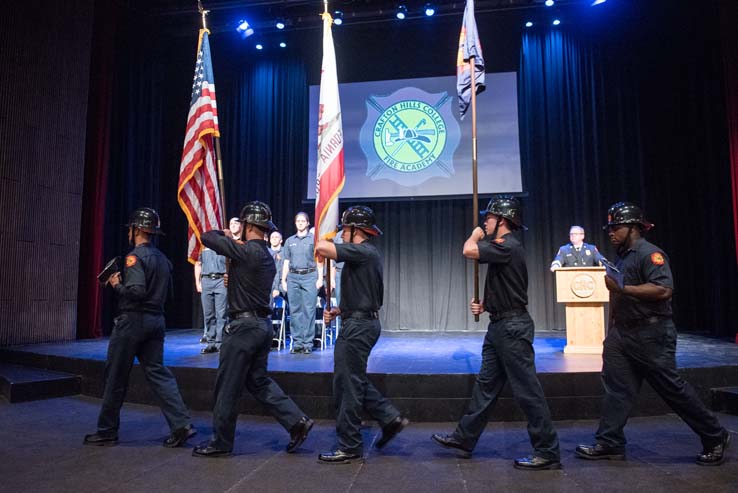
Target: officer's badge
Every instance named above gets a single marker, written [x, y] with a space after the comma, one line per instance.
[131, 260]
[409, 136]
[657, 258]
[587, 252]
[499, 241]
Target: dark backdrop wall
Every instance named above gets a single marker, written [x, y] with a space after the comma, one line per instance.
[626, 105]
[45, 50]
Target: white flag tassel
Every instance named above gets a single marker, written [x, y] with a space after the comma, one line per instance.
[330, 142]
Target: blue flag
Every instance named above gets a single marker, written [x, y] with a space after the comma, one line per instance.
[469, 47]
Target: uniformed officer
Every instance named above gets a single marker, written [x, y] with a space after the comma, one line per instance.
[210, 270]
[139, 333]
[576, 253]
[507, 354]
[301, 280]
[641, 344]
[275, 250]
[248, 337]
[361, 300]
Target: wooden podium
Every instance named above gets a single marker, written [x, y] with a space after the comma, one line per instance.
[585, 294]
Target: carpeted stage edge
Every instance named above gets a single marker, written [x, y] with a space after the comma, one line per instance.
[428, 376]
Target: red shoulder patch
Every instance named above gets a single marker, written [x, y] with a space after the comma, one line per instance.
[499, 241]
[657, 258]
[131, 260]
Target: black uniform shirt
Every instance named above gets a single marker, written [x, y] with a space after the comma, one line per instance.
[147, 278]
[250, 275]
[362, 286]
[506, 286]
[643, 263]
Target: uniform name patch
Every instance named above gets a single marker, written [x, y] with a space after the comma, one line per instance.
[131, 260]
[657, 258]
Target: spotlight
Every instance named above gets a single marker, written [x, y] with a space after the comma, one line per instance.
[279, 23]
[338, 17]
[529, 24]
[401, 12]
[549, 3]
[282, 44]
[429, 9]
[259, 46]
[556, 22]
[244, 28]
[597, 2]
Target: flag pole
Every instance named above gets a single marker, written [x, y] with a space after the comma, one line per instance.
[475, 183]
[327, 262]
[221, 185]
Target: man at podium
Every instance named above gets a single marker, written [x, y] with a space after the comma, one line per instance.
[576, 253]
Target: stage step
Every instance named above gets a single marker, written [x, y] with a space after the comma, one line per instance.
[725, 400]
[22, 383]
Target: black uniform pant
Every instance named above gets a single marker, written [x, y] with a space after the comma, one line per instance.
[508, 356]
[139, 335]
[352, 390]
[243, 363]
[648, 352]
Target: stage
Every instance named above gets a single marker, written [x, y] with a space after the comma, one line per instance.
[428, 375]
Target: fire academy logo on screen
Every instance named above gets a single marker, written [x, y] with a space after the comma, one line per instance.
[409, 136]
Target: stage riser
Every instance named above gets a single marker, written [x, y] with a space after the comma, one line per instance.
[422, 397]
[24, 383]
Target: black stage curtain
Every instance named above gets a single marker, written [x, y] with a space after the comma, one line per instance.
[613, 112]
[630, 107]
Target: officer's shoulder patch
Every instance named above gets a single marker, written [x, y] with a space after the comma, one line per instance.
[499, 241]
[657, 258]
[131, 260]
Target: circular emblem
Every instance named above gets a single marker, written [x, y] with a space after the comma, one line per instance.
[583, 286]
[409, 136]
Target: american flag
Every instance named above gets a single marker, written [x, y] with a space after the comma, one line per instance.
[198, 193]
[330, 142]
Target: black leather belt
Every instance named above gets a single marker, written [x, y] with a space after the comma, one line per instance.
[494, 317]
[634, 324]
[360, 314]
[302, 271]
[252, 314]
[213, 276]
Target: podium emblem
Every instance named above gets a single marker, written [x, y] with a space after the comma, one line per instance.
[583, 286]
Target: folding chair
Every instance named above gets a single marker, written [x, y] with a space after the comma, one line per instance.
[280, 303]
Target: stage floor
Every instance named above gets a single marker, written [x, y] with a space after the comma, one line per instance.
[418, 353]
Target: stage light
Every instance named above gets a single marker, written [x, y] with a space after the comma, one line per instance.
[549, 3]
[597, 2]
[279, 23]
[282, 44]
[429, 9]
[244, 28]
[556, 22]
[529, 24]
[338, 17]
[259, 46]
[401, 12]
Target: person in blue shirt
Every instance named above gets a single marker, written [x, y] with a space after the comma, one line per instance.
[302, 277]
[210, 270]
